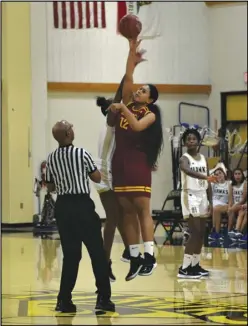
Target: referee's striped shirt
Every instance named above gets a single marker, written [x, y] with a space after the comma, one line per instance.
[68, 168]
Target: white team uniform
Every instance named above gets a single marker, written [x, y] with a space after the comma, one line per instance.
[194, 199]
[220, 193]
[238, 193]
[106, 148]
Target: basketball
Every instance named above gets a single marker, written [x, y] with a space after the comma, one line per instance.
[130, 26]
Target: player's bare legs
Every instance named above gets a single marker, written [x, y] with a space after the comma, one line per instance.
[193, 247]
[142, 205]
[133, 207]
[217, 212]
[130, 221]
[132, 231]
[113, 219]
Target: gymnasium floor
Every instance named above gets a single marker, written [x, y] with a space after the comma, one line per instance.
[31, 273]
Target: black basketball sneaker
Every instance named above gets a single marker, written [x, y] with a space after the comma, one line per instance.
[198, 269]
[126, 256]
[148, 265]
[136, 264]
[188, 272]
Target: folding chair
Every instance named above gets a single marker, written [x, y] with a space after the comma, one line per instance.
[173, 217]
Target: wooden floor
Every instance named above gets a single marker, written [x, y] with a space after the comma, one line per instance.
[31, 273]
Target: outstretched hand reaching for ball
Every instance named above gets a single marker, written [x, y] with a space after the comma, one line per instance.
[134, 44]
[136, 54]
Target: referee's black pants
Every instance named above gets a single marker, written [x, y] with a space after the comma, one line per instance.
[78, 222]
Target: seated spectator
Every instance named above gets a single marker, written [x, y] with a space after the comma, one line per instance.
[220, 193]
[240, 231]
[237, 198]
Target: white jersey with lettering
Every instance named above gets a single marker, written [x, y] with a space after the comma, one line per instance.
[106, 148]
[194, 199]
[197, 165]
[237, 192]
[220, 193]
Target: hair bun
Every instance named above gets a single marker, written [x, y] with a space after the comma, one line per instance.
[101, 101]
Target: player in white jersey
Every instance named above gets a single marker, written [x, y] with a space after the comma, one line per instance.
[237, 198]
[106, 148]
[220, 195]
[196, 200]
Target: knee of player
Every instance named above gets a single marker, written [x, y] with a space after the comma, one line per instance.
[143, 208]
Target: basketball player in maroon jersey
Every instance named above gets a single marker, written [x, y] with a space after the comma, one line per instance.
[139, 139]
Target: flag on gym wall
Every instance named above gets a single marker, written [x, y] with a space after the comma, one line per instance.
[79, 14]
[148, 13]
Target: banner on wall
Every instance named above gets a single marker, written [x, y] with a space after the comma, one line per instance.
[79, 14]
[148, 13]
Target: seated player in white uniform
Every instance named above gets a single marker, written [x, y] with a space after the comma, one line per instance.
[220, 193]
[237, 198]
[240, 231]
[196, 202]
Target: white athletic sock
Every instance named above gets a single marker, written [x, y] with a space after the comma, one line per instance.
[196, 259]
[187, 260]
[148, 247]
[134, 250]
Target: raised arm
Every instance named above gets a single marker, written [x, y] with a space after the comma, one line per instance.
[125, 90]
[134, 58]
[112, 116]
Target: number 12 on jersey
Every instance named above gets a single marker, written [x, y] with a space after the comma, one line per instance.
[123, 123]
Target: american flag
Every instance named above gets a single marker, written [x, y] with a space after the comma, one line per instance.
[79, 14]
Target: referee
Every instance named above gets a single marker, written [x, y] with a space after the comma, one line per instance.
[68, 171]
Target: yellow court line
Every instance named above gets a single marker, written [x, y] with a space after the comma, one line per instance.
[132, 190]
[133, 187]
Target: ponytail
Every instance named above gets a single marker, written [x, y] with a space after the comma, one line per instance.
[154, 137]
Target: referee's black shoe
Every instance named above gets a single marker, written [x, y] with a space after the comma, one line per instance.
[65, 306]
[104, 303]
